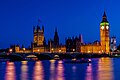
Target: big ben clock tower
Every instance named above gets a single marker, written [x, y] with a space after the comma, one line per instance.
[104, 34]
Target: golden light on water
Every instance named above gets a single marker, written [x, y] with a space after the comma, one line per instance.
[38, 73]
[99, 69]
[24, 70]
[24, 62]
[56, 70]
[60, 72]
[52, 61]
[105, 69]
[103, 72]
[10, 71]
[52, 69]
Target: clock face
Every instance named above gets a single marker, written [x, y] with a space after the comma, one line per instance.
[102, 27]
[107, 27]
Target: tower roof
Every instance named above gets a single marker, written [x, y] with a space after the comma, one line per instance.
[56, 37]
[104, 17]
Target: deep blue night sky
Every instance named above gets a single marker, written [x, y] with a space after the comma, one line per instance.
[72, 17]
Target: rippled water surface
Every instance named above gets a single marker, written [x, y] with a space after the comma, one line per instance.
[99, 69]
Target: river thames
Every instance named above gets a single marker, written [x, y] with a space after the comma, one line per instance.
[99, 69]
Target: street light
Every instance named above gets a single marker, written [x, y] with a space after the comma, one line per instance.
[99, 51]
[24, 49]
[88, 51]
[10, 50]
[60, 50]
[73, 50]
[38, 50]
[52, 49]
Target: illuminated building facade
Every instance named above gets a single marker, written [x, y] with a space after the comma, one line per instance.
[18, 49]
[38, 41]
[54, 45]
[38, 36]
[104, 45]
[94, 47]
[73, 44]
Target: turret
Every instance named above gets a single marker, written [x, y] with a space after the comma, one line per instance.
[104, 18]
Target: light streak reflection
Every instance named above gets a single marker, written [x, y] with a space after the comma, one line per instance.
[52, 69]
[105, 69]
[60, 71]
[10, 71]
[38, 73]
[24, 70]
[89, 75]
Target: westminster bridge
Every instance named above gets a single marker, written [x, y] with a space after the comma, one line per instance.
[49, 56]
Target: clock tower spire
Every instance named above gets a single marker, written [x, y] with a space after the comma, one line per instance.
[104, 18]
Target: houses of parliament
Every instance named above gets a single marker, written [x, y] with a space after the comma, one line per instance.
[74, 44]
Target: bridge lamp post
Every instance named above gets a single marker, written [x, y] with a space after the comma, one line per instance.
[102, 51]
[73, 50]
[10, 50]
[38, 50]
[99, 52]
[24, 49]
[52, 50]
[60, 50]
[88, 51]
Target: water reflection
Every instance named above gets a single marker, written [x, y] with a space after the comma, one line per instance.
[38, 73]
[74, 69]
[89, 75]
[10, 71]
[74, 73]
[105, 69]
[2, 70]
[99, 69]
[52, 69]
[24, 71]
[60, 71]
[56, 70]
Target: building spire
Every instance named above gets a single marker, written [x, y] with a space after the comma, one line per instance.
[56, 38]
[104, 18]
[104, 15]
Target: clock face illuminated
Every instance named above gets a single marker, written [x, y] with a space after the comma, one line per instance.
[102, 27]
[107, 27]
